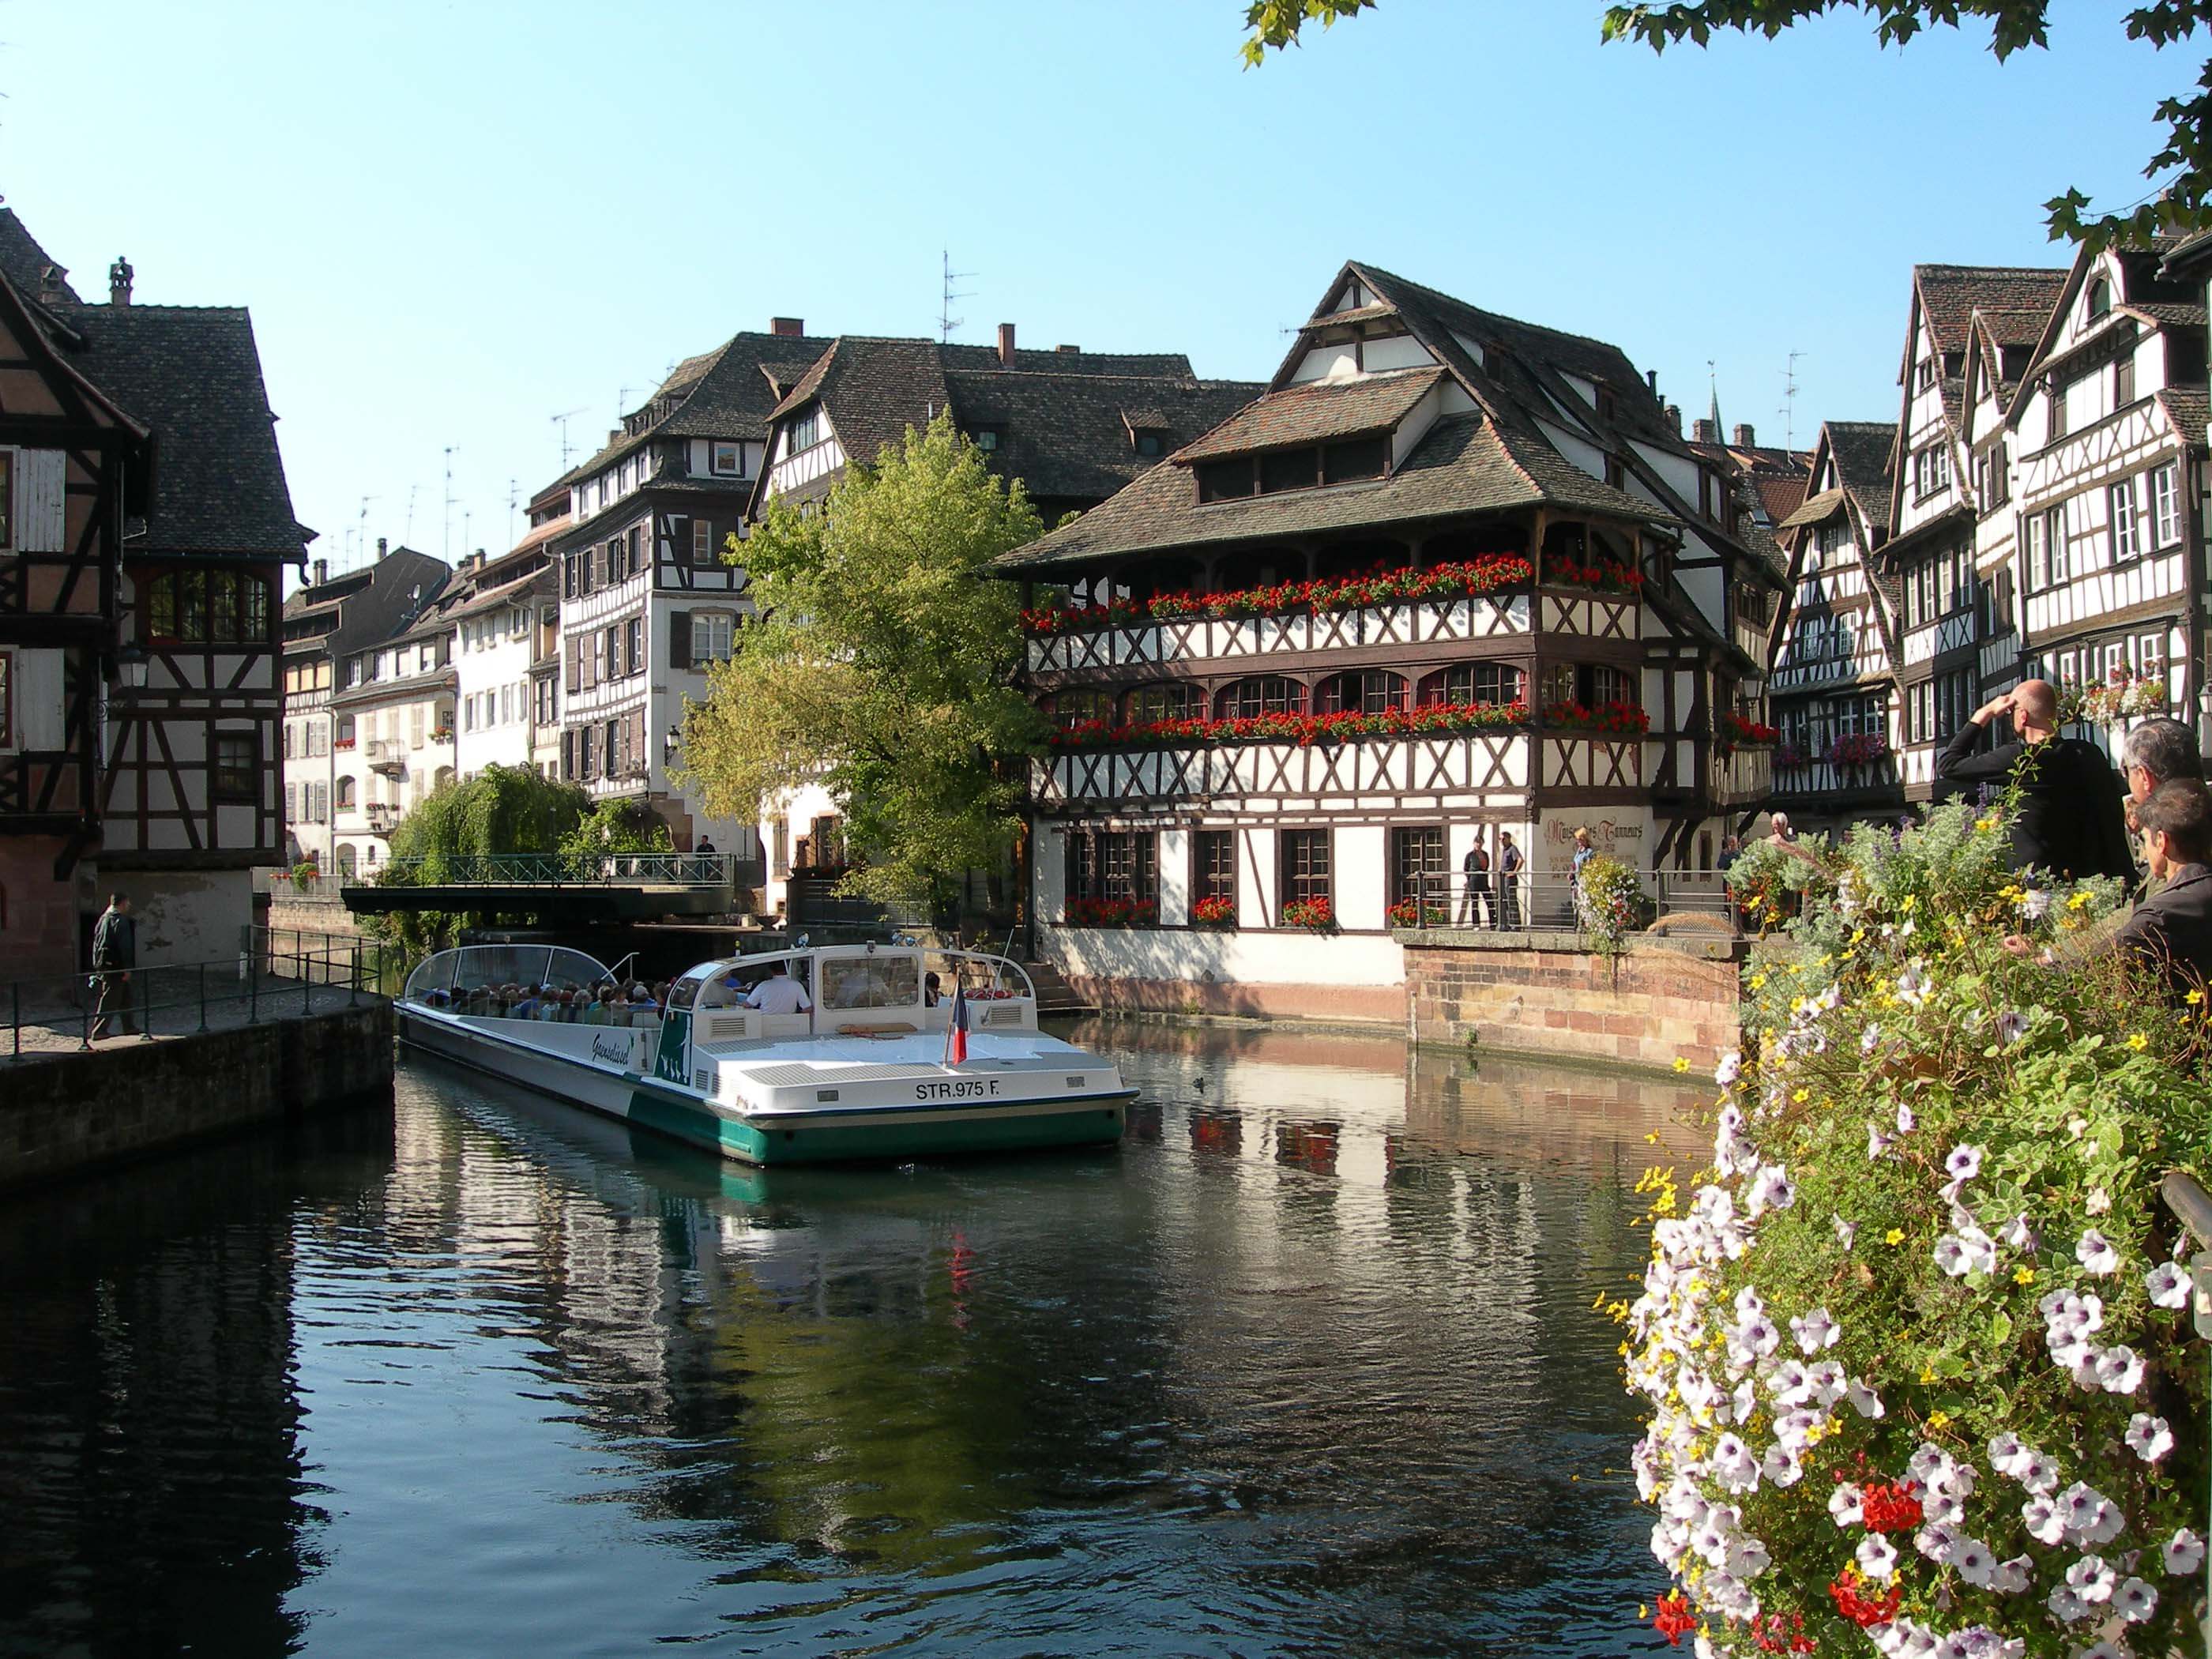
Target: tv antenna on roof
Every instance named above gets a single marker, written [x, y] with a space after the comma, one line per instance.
[512, 495]
[1789, 410]
[946, 322]
[446, 547]
[361, 534]
[408, 535]
[561, 421]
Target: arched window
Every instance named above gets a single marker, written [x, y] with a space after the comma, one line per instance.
[1361, 691]
[1496, 684]
[1263, 694]
[347, 862]
[1170, 700]
[345, 794]
[1073, 708]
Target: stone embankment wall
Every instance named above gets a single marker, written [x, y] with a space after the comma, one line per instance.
[310, 913]
[68, 1112]
[1549, 994]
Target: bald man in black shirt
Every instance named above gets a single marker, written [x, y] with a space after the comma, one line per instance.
[2067, 820]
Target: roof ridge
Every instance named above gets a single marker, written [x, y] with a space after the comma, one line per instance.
[1483, 311]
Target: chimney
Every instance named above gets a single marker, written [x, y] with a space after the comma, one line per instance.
[1744, 436]
[119, 282]
[379, 547]
[1651, 379]
[322, 572]
[789, 328]
[1071, 351]
[1674, 417]
[52, 279]
[1705, 432]
[614, 436]
[1005, 345]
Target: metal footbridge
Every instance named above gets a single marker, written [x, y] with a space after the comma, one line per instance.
[585, 887]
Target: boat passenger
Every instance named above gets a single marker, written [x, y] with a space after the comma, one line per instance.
[524, 1005]
[780, 994]
[930, 990]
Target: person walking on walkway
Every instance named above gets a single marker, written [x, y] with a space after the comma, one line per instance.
[1475, 909]
[114, 956]
[1509, 883]
[2067, 820]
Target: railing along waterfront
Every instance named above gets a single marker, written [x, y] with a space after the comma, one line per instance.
[576, 870]
[1521, 904]
[2192, 1206]
[276, 974]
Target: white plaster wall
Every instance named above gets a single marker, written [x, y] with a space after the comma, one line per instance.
[1257, 878]
[1175, 877]
[1403, 352]
[1359, 875]
[185, 916]
[1324, 362]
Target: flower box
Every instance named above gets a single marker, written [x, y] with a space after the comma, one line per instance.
[1488, 573]
[1861, 748]
[1411, 913]
[1610, 719]
[1213, 913]
[1314, 915]
[1736, 732]
[343, 744]
[1303, 730]
[1110, 913]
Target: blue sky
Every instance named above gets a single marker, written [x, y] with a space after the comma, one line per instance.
[452, 222]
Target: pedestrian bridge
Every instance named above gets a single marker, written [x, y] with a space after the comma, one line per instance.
[586, 887]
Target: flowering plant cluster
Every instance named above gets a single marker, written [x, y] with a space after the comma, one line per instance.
[1316, 915]
[1610, 902]
[1790, 754]
[1737, 733]
[1858, 749]
[1611, 720]
[1603, 575]
[1304, 729]
[2123, 694]
[1215, 912]
[1913, 1344]
[1486, 574]
[1112, 912]
[1410, 912]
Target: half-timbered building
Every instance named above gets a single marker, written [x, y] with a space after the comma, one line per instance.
[1453, 576]
[1834, 680]
[2108, 421]
[150, 537]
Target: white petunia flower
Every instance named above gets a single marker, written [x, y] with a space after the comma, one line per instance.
[1730, 1069]
[1770, 1189]
[2102, 1650]
[2120, 1370]
[2066, 1607]
[1877, 1558]
[1905, 1121]
[1747, 1559]
[1977, 1562]
[2184, 1553]
[2013, 1577]
[2135, 1601]
[1844, 1505]
[2149, 1437]
[2012, 1026]
[1936, 1541]
[2091, 1580]
[2098, 1202]
[1965, 1162]
[2005, 1450]
[1864, 1400]
[1877, 1142]
[2168, 1284]
[1815, 1331]
[1913, 985]
[1846, 1231]
[2035, 903]
[2095, 1253]
[1869, 1039]
[2044, 1521]
[2018, 1234]
[1734, 1465]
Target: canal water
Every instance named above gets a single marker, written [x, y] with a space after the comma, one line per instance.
[1308, 1366]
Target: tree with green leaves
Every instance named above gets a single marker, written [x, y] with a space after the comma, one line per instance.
[2182, 204]
[883, 669]
[612, 827]
[502, 809]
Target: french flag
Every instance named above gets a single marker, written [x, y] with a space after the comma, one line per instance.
[956, 1033]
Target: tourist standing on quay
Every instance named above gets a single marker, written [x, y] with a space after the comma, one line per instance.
[114, 956]
[2068, 821]
[1474, 907]
[2170, 932]
[2157, 751]
[1509, 883]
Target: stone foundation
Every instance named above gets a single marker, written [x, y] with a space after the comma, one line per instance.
[1549, 994]
[1382, 1005]
[73, 1111]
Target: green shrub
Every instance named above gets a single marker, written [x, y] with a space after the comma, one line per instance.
[1914, 1346]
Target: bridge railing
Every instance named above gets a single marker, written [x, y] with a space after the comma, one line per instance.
[576, 870]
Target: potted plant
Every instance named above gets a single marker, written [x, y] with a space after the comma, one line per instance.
[1214, 912]
[1316, 915]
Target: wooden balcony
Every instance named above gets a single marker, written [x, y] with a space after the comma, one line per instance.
[1410, 625]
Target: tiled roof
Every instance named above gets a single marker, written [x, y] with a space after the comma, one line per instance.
[2189, 407]
[24, 261]
[1950, 294]
[1070, 437]
[1861, 450]
[1466, 464]
[193, 373]
[1819, 507]
[1172, 364]
[2168, 314]
[1317, 411]
[478, 600]
[1780, 493]
[722, 394]
[874, 390]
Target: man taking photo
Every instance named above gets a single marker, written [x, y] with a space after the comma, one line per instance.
[2067, 820]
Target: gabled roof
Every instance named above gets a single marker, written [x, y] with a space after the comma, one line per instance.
[24, 263]
[193, 374]
[1465, 463]
[1317, 411]
[874, 390]
[1861, 451]
[722, 394]
[2147, 288]
[1073, 437]
[1950, 294]
[1817, 510]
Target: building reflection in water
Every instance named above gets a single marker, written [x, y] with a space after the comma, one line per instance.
[1310, 1362]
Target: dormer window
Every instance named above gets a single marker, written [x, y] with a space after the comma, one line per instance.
[804, 432]
[1924, 373]
[2100, 299]
[1151, 442]
[986, 438]
[1277, 470]
[1606, 405]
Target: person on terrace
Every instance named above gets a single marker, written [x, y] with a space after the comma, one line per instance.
[2170, 932]
[2067, 820]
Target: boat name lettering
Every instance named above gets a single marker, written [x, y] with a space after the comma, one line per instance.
[973, 1088]
[611, 1051]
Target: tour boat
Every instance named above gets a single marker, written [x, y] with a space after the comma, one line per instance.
[874, 1069]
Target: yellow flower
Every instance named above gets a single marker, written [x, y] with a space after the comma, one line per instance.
[2023, 1275]
[2079, 901]
[1894, 1235]
[1909, 905]
[1800, 1097]
[2138, 1043]
[1939, 1420]
[1927, 1374]
[1758, 980]
[1985, 823]
[2194, 997]
[1681, 1064]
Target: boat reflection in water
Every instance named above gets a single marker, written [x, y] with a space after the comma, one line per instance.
[1310, 1364]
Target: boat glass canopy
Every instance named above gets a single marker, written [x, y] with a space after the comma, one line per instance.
[478, 967]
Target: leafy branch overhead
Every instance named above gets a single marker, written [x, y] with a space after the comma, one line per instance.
[2181, 168]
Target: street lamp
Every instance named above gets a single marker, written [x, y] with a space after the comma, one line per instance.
[132, 661]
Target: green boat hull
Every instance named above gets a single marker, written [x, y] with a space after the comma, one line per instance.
[892, 1135]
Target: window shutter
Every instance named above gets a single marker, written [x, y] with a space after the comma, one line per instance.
[679, 639]
[573, 668]
[637, 758]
